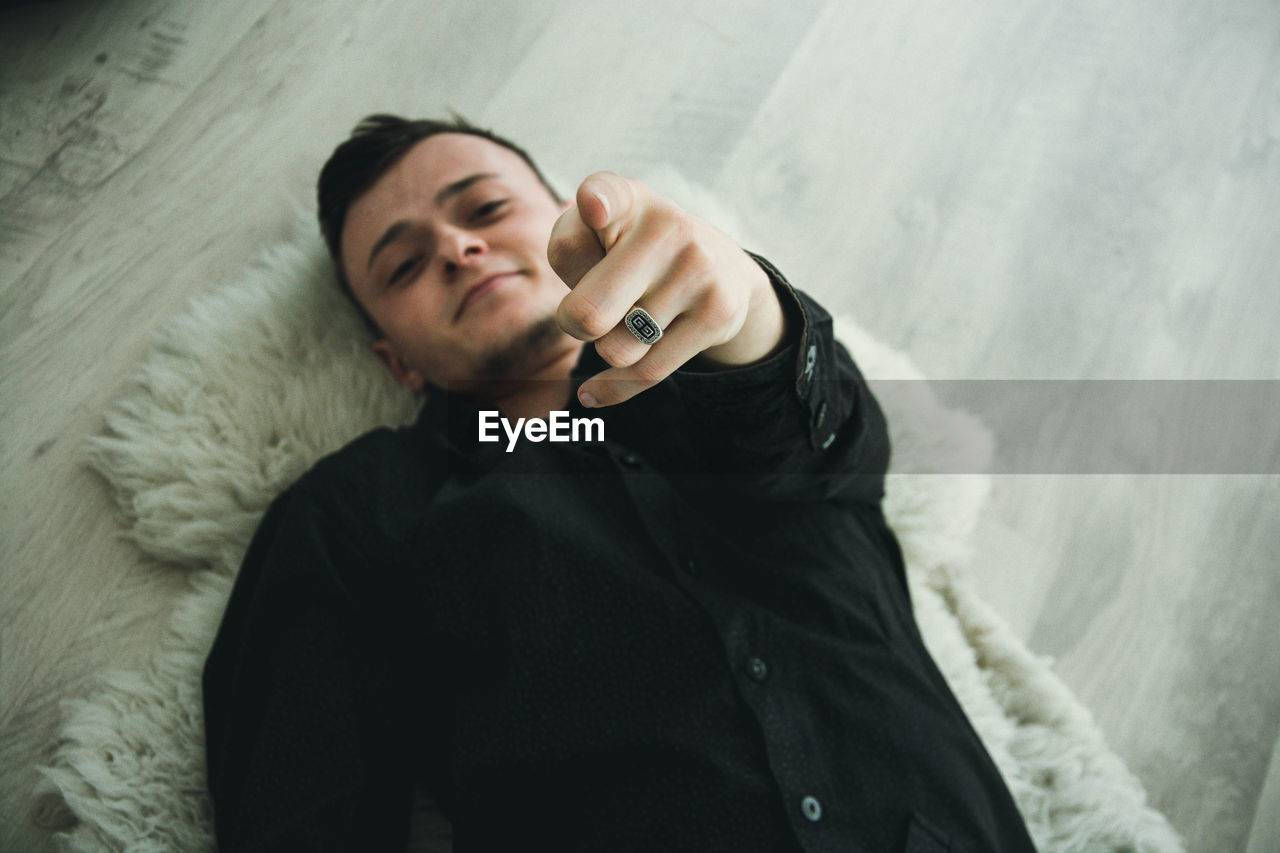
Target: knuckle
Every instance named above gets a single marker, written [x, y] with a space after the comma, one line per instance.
[695, 263]
[584, 315]
[615, 352]
[648, 372]
[565, 321]
[717, 307]
[667, 225]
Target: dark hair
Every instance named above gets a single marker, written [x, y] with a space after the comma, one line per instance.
[376, 144]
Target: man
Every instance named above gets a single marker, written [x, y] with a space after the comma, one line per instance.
[690, 633]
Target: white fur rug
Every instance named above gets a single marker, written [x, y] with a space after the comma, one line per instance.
[258, 380]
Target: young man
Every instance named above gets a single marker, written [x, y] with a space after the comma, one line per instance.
[686, 630]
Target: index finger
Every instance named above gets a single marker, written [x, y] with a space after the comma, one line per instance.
[607, 202]
[573, 248]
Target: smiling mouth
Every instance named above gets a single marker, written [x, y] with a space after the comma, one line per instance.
[480, 289]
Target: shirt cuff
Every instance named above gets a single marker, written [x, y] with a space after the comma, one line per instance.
[763, 403]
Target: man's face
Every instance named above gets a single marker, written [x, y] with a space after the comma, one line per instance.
[447, 252]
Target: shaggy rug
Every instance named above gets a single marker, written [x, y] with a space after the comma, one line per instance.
[256, 381]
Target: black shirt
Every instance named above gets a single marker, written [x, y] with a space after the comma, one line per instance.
[694, 635]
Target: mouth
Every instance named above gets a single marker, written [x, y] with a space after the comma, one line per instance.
[480, 289]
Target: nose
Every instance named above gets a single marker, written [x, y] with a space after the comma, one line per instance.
[460, 247]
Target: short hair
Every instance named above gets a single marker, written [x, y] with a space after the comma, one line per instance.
[376, 144]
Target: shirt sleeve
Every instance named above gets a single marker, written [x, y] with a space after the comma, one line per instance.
[304, 711]
[802, 425]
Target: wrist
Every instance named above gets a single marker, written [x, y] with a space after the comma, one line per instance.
[763, 334]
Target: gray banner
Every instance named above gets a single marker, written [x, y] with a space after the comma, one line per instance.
[1102, 426]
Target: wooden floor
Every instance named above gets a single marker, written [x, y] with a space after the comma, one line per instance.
[1007, 189]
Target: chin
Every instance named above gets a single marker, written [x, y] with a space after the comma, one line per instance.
[523, 351]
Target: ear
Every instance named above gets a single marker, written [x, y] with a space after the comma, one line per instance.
[407, 376]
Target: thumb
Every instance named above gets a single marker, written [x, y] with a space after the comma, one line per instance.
[606, 203]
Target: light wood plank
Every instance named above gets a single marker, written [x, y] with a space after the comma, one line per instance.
[1068, 190]
[83, 89]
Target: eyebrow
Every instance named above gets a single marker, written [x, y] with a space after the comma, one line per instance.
[454, 189]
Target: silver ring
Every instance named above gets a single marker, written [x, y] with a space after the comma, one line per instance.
[643, 326]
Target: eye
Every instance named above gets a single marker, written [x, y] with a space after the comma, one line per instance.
[488, 209]
[402, 270]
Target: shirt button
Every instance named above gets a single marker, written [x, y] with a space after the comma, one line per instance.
[691, 565]
[811, 809]
[630, 460]
[757, 669]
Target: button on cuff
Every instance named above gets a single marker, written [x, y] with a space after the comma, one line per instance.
[805, 379]
[811, 809]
